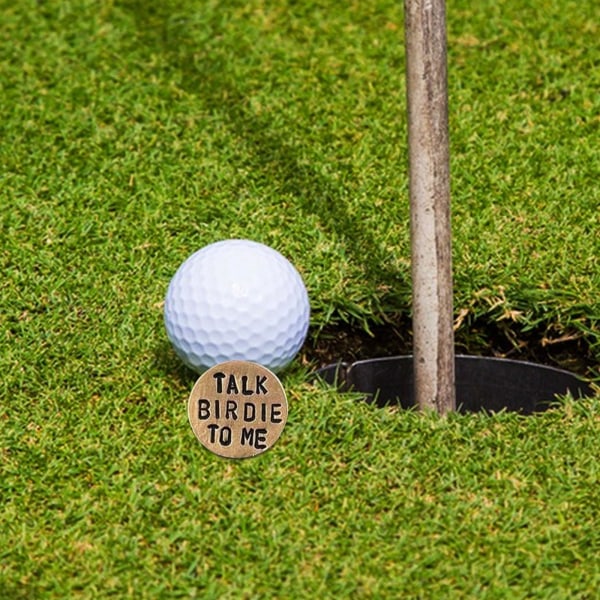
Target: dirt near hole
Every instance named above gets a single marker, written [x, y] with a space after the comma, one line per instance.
[544, 345]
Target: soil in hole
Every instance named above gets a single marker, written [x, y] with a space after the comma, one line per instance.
[569, 351]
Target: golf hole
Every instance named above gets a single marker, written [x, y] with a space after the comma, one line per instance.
[521, 373]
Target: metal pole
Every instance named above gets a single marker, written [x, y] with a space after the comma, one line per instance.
[429, 175]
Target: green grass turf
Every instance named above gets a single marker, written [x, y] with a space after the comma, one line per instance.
[131, 134]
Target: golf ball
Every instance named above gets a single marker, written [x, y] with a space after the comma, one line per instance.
[236, 300]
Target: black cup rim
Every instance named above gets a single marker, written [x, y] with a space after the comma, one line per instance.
[482, 383]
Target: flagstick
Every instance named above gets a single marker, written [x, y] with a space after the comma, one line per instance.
[429, 175]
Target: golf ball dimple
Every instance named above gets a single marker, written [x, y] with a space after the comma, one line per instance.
[236, 300]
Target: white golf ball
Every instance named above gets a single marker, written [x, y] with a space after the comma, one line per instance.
[236, 300]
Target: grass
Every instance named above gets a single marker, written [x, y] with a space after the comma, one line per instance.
[133, 133]
[350, 502]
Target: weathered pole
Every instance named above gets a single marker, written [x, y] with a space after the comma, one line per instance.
[429, 180]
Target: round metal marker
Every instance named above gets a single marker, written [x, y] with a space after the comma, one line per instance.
[237, 409]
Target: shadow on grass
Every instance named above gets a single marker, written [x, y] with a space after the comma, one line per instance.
[167, 362]
[270, 155]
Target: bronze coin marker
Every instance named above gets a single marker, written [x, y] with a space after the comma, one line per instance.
[238, 409]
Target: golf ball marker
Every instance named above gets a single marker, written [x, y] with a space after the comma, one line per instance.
[238, 409]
